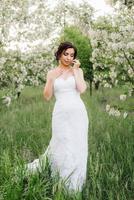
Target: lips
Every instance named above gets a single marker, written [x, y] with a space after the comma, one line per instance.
[67, 62]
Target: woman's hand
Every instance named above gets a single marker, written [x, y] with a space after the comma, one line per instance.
[76, 65]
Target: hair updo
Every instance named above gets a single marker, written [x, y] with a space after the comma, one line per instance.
[63, 47]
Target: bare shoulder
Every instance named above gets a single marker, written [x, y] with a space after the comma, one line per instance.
[51, 72]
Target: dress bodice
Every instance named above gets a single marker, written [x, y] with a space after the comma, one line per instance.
[65, 88]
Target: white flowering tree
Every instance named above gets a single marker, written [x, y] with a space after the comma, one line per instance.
[68, 13]
[112, 40]
[24, 56]
[128, 3]
[18, 70]
[26, 26]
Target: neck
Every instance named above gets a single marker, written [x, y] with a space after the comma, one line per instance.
[65, 67]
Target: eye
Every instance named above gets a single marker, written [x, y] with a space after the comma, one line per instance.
[65, 54]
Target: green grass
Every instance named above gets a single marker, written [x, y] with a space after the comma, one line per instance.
[25, 132]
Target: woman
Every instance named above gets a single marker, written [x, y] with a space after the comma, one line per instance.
[68, 148]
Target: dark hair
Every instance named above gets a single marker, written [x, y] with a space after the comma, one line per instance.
[64, 46]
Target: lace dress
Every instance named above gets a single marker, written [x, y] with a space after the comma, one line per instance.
[68, 147]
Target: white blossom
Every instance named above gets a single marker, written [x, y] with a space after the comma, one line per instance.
[19, 88]
[130, 72]
[6, 100]
[107, 107]
[115, 46]
[107, 85]
[117, 113]
[114, 112]
[111, 111]
[130, 45]
[35, 82]
[123, 97]
[130, 92]
[113, 74]
[125, 114]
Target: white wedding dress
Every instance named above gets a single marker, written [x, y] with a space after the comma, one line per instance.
[68, 147]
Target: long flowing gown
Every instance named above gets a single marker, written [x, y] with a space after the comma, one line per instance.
[68, 147]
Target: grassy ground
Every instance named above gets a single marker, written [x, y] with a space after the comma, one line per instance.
[25, 132]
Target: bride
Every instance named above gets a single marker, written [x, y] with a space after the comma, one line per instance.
[68, 147]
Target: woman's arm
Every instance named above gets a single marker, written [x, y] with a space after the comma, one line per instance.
[48, 89]
[80, 82]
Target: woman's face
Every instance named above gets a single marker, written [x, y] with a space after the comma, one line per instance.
[67, 56]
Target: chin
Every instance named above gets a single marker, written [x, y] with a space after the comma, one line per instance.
[67, 64]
